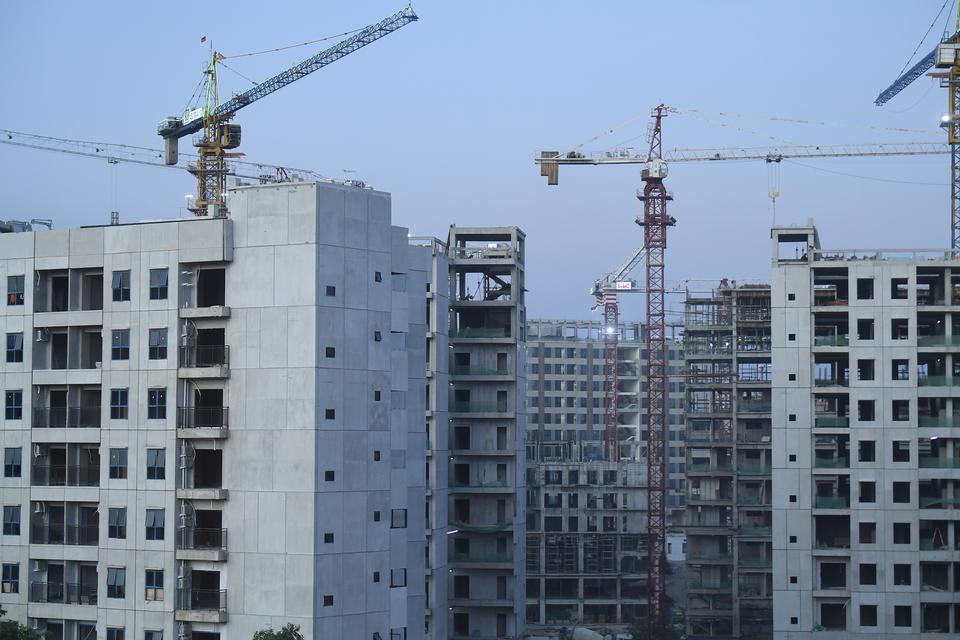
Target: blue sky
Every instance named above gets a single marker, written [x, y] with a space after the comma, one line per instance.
[448, 113]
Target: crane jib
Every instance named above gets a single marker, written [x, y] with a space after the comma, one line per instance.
[360, 39]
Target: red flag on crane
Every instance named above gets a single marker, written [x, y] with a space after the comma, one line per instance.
[203, 39]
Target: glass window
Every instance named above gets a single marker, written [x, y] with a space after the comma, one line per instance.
[153, 635]
[115, 633]
[11, 520]
[14, 291]
[154, 589]
[116, 582]
[11, 578]
[121, 286]
[158, 284]
[118, 404]
[13, 405]
[11, 462]
[155, 524]
[118, 463]
[117, 522]
[121, 345]
[398, 518]
[14, 347]
[157, 403]
[158, 344]
[156, 464]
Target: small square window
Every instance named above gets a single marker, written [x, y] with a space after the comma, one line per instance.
[116, 582]
[791, 296]
[14, 291]
[791, 337]
[121, 286]
[901, 492]
[153, 635]
[901, 575]
[793, 457]
[903, 616]
[901, 533]
[328, 601]
[868, 574]
[328, 475]
[14, 347]
[901, 410]
[793, 539]
[329, 414]
[331, 352]
[117, 523]
[899, 329]
[868, 492]
[377, 276]
[901, 451]
[899, 289]
[377, 336]
[868, 615]
[792, 376]
[376, 396]
[376, 576]
[376, 456]
[398, 518]
[398, 578]
[794, 620]
[115, 633]
[10, 582]
[793, 498]
[158, 284]
[156, 464]
[792, 417]
[868, 533]
[118, 404]
[376, 516]
[331, 291]
[866, 369]
[793, 579]
[327, 538]
[866, 410]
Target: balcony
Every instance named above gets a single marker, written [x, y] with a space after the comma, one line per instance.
[66, 417]
[467, 370]
[831, 463]
[938, 381]
[709, 467]
[491, 560]
[195, 543]
[59, 475]
[938, 341]
[830, 421]
[460, 406]
[831, 382]
[939, 463]
[753, 561]
[722, 557]
[942, 421]
[708, 498]
[480, 332]
[753, 406]
[832, 502]
[752, 500]
[938, 502]
[83, 535]
[205, 361]
[836, 340]
[709, 586]
[203, 422]
[476, 486]
[201, 605]
[482, 528]
[748, 469]
[63, 593]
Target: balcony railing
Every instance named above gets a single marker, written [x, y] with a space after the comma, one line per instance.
[832, 502]
[482, 528]
[478, 407]
[938, 381]
[201, 538]
[710, 586]
[755, 529]
[755, 499]
[702, 436]
[831, 421]
[203, 417]
[831, 463]
[84, 535]
[482, 558]
[753, 469]
[747, 561]
[753, 406]
[205, 356]
[938, 341]
[467, 370]
[939, 463]
[480, 332]
[753, 314]
[701, 467]
[58, 475]
[699, 498]
[933, 544]
[839, 340]
[202, 599]
[66, 417]
[709, 555]
[949, 421]
[63, 593]
[937, 502]
[831, 382]
[489, 484]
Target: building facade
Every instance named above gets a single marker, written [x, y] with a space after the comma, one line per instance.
[213, 426]
[729, 495]
[865, 528]
[586, 541]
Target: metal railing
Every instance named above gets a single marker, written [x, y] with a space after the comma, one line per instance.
[198, 538]
[753, 469]
[66, 417]
[85, 535]
[205, 356]
[706, 436]
[710, 586]
[478, 407]
[951, 420]
[58, 475]
[755, 499]
[203, 417]
[746, 561]
[831, 463]
[832, 502]
[938, 341]
[698, 498]
[191, 599]
[482, 558]
[938, 381]
[838, 340]
[63, 593]
[938, 502]
[478, 484]
[831, 382]
[753, 406]
[939, 463]
[467, 370]
[753, 314]
[701, 467]
[828, 421]
[480, 332]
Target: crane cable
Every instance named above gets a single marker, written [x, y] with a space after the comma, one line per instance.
[924, 38]
[292, 46]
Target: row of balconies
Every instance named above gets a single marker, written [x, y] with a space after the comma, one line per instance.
[91, 417]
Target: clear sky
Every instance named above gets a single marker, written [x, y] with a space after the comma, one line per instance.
[448, 113]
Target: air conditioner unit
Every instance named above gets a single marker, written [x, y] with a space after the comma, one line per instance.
[42, 335]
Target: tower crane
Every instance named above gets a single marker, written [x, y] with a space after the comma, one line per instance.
[655, 222]
[218, 137]
[945, 55]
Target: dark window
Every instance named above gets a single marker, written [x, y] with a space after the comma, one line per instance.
[157, 403]
[14, 347]
[376, 396]
[903, 616]
[158, 284]
[154, 587]
[118, 404]
[11, 462]
[864, 288]
[901, 451]
[120, 349]
[156, 464]
[14, 291]
[11, 520]
[901, 533]
[900, 369]
[13, 405]
[329, 414]
[898, 288]
[155, 524]
[868, 533]
[377, 336]
[331, 291]
[901, 575]
[121, 286]
[377, 277]
[868, 614]
[398, 518]
[901, 492]
[118, 464]
[376, 456]
[115, 633]
[330, 352]
[11, 578]
[327, 538]
[791, 296]
[865, 329]
[867, 450]
[158, 344]
[901, 410]
[117, 522]
[866, 410]
[376, 516]
[116, 582]
[899, 329]
[865, 370]
[328, 601]
[868, 574]
[868, 492]
[328, 475]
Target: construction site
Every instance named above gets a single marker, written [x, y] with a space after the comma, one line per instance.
[533, 419]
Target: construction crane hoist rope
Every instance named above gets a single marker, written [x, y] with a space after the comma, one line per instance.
[217, 138]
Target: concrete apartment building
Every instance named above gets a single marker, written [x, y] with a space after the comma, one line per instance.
[727, 347]
[212, 426]
[586, 537]
[865, 528]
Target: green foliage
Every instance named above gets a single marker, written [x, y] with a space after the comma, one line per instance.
[13, 630]
[288, 632]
